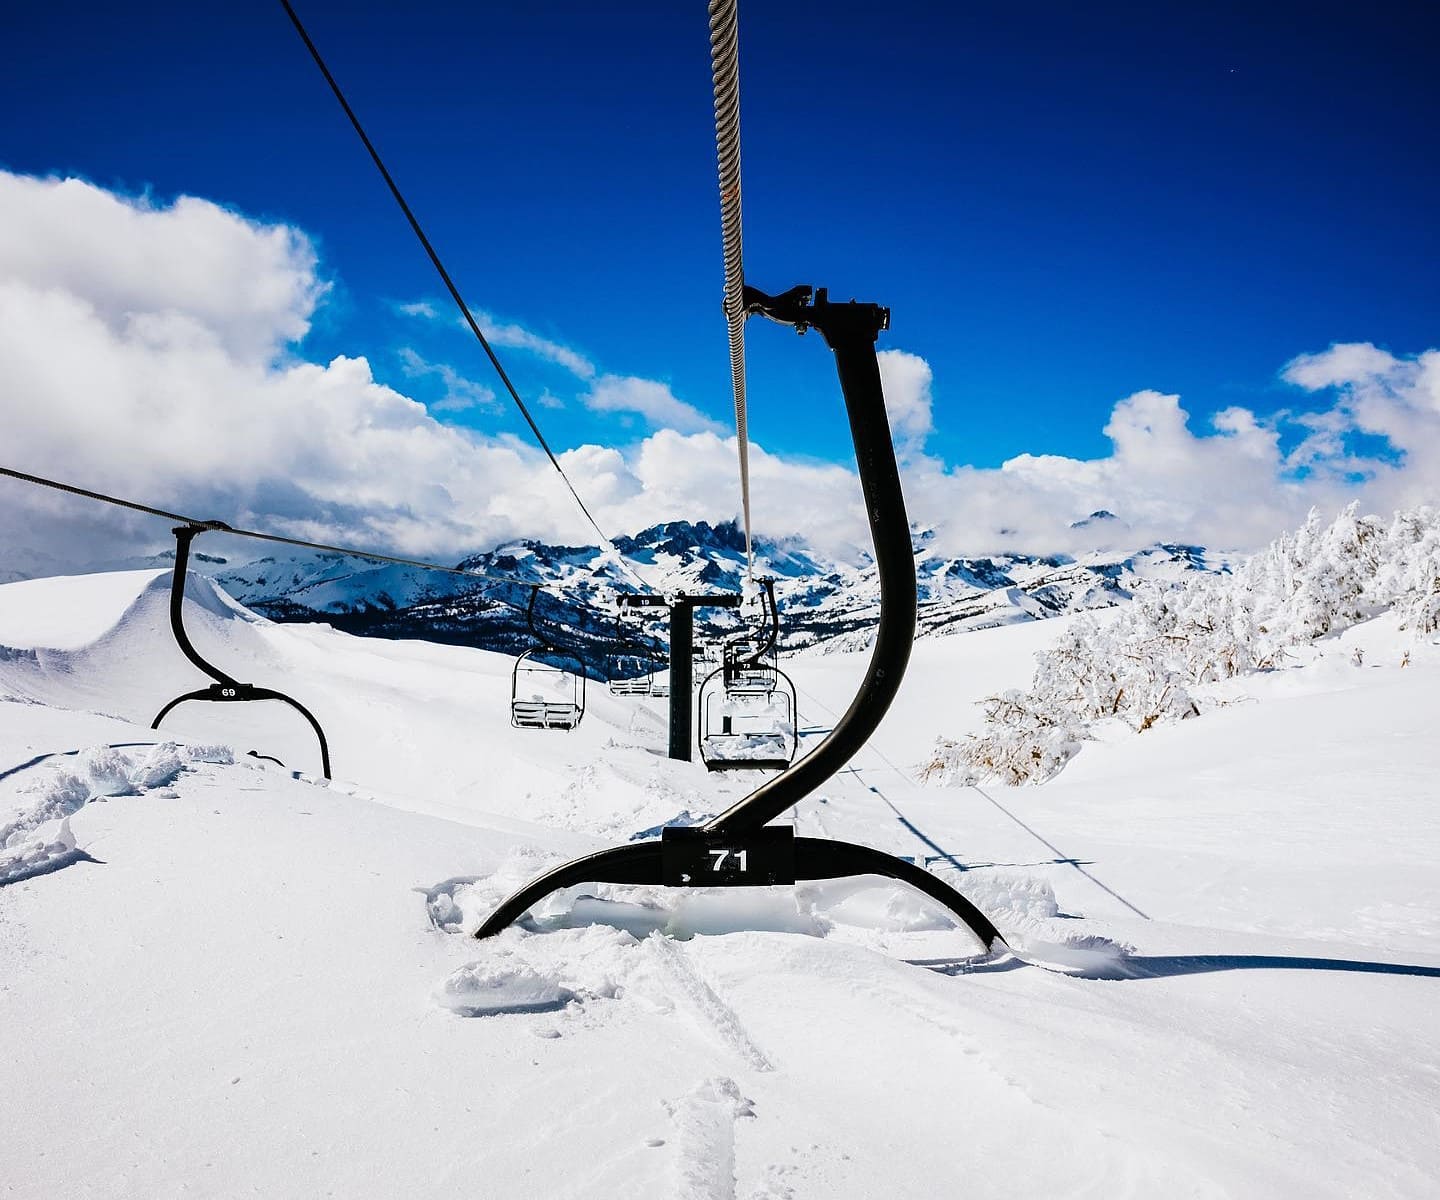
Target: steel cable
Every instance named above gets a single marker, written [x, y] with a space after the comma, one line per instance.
[222, 527]
[725, 76]
[455, 293]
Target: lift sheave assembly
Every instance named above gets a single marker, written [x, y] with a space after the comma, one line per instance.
[740, 848]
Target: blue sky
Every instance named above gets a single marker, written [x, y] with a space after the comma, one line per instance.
[1062, 204]
[1077, 214]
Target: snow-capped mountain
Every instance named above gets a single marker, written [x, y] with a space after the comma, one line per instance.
[821, 599]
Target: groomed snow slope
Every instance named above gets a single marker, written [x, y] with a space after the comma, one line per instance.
[222, 979]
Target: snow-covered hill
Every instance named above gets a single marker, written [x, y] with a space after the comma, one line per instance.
[223, 977]
[822, 598]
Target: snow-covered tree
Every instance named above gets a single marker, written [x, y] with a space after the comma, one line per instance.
[1140, 666]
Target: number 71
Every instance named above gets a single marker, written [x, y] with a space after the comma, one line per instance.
[721, 855]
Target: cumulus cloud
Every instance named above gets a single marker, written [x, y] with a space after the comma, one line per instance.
[1225, 487]
[906, 379]
[1381, 396]
[151, 350]
[650, 399]
[154, 364]
[1231, 486]
[252, 287]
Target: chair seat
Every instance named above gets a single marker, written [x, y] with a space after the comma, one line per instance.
[544, 714]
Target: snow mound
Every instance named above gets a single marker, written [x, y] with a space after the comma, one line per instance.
[460, 905]
[500, 984]
[866, 904]
[1006, 893]
[62, 796]
[30, 842]
[69, 611]
[1088, 956]
[39, 856]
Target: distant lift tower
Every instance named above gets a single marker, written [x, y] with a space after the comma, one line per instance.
[682, 656]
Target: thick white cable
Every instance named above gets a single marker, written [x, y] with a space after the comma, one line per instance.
[725, 74]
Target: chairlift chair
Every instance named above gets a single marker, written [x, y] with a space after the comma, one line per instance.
[748, 667]
[630, 670]
[747, 706]
[547, 684]
[750, 727]
[628, 676]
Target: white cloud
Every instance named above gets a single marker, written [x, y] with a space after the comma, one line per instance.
[650, 399]
[1229, 487]
[139, 374]
[1224, 488]
[461, 394]
[419, 308]
[252, 286]
[906, 379]
[502, 333]
[1383, 396]
[149, 350]
[508, 333]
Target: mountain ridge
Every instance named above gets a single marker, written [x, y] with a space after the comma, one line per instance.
[822, 600]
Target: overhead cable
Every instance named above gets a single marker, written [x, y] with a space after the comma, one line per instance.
[455, 292]
[725, 75]
[257, 535]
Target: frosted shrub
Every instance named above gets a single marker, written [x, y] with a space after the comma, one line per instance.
[1025, 738]
[1139, 667]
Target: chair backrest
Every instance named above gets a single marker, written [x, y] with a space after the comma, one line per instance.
[747, 729]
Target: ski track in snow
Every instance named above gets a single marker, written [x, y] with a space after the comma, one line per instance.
[705, 1003]
[868, 1028]
[704, 1123]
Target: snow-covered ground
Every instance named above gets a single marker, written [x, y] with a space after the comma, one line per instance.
[222, 977]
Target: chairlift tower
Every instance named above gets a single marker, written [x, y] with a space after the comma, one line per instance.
[681, 608]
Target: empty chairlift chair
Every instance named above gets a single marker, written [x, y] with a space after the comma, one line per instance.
[629, 676]
[547, 685]
[630, 670]
[747, 706]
